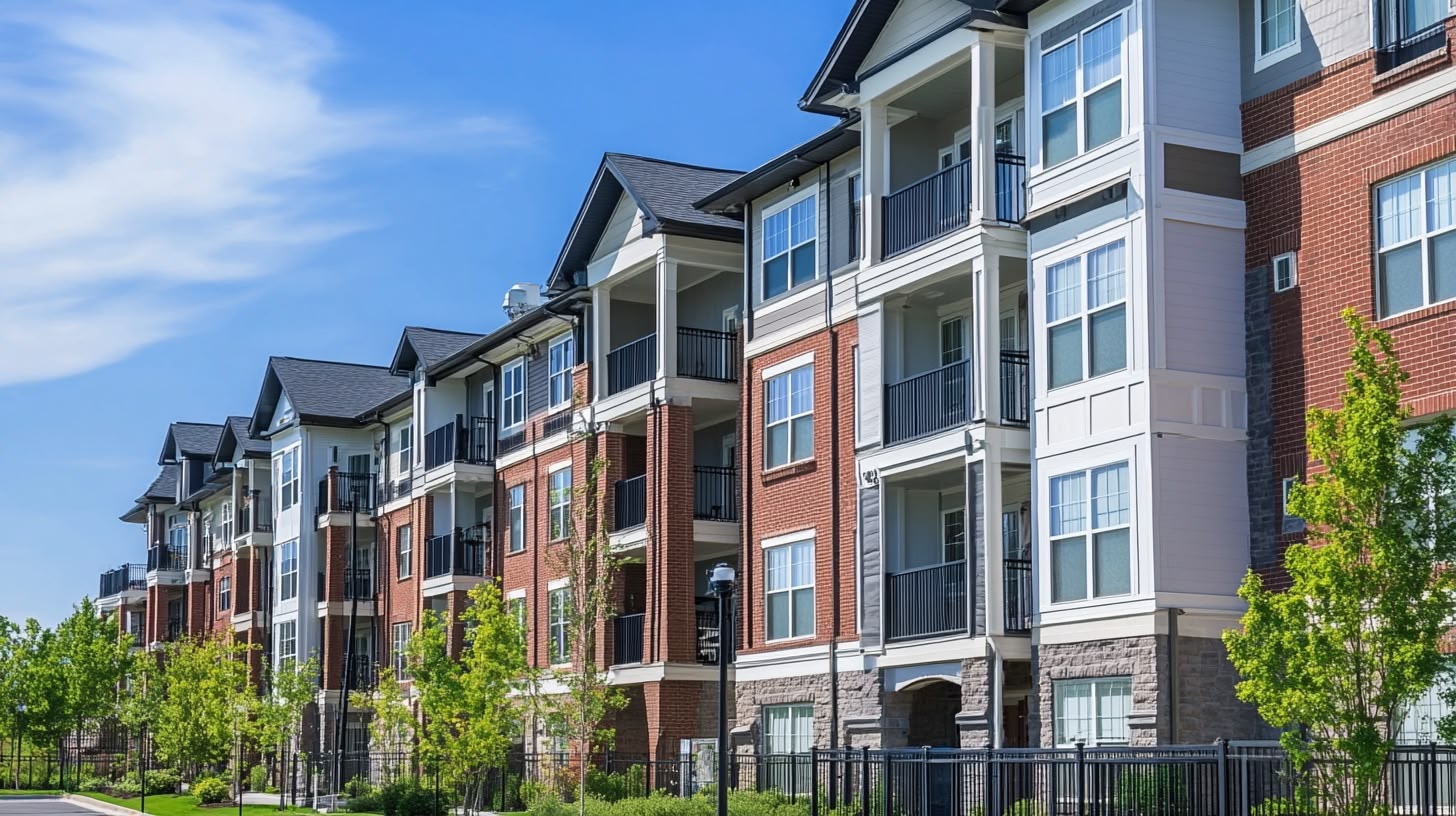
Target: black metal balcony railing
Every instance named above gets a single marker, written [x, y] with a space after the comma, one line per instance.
[705, 354]
[1394, 46]
[440, 446]
[1016, 596]
[627, 639]
[358, 583]
[125, 578]
[926, 602]
[709, 633]
[632, 364]
[256, 514]
[175, 627]
[927, 403]
[351, 492]
[715, 493]
[458, 552]
[1015, 388]
[629, 504]
[1010, 188]
[512, 441]
[466, 439]
[166, 559]
[927, 209]
[362, 673]
[390, 490]
[556, 423]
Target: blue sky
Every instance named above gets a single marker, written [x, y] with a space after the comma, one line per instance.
[187, 188]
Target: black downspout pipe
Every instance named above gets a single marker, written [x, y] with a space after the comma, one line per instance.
[349, 636]
[745, 424]
[834, 488]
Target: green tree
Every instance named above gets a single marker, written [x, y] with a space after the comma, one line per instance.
[11, 677]
[278, 717]
[43, 689]
[494, 669]
[437, 679]
[94, 660]
[1337, 657]
[392, 724]
[204, 686]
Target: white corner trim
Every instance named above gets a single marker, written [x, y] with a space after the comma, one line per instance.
[559, 583]
[787, 538]
[769, 372]
[516, 593]
[562, 465]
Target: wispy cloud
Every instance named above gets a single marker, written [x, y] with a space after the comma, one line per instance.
[151, 150]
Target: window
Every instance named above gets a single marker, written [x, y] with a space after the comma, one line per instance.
[177, 532]
[517, 496]
[399, 652]
[789, 246]
[406, 448]
[855, 234]
[953, 535]
[560, 358]
[788, 729]
[286, 635]
[226, 526]
[513, 394]
[1415, 219]
[789, 605]
[287, 467]
[1099, 328]
[404, 555]
[356, 737]
[1284, 273]
[952, 340]
[517, 607]
[1081, 93]
[288, 570]
[1093, 712]
[1107, 515]
[1407, 29]
[1418, 722]
[789, 418]
[1276, 31]
[560, 510]
[224, 593]
[559, 645]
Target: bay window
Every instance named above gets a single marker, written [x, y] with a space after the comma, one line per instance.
[1081, 92]
[1091, 520]
[1087, 340]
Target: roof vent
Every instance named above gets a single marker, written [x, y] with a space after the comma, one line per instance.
[521, 298]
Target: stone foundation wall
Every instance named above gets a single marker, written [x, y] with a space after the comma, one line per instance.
[859, 708]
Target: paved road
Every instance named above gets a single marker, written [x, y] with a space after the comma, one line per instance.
[15, 806]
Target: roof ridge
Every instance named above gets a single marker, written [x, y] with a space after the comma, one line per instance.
[206, 424]
[655, 160]
[330, 362]
[444, 331]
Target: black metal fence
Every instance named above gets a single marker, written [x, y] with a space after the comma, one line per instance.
[458, 552]
[125, 578]
[167, 559]
[627, 639]
[1015, 388]
[927, 403]
[927, 209]
[1016, 595]
[629, 503]
[706, 354]
[715, 493]
[632, 364]
[1010, 188]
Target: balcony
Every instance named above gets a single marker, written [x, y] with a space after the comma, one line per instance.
[362, 672]
[631, 364]
[166, 559]
[392, 490]
[256, 514]
[459, 552]
[1015, 388]
[629, 504]
[342, 492]
[468, 440]
[1403, 34]
[1016, 596]
[125, 578]
[627, 639]
[926, 602]
[556, 423]
[940, 203]
[928, 403]
[715, 493]
[705, 354]
[709, 632]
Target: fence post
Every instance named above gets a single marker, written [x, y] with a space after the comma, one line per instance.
[885, 784]
[924, 797]
[1223, 777]
[989, 783]
[1431, 780]
[1081, 779]
[864, 781]
[814, 781]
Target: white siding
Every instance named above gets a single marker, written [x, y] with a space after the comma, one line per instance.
[870, 386]
[1197, 54]
[1203, 283]
[619, 230]
[1201, 521]
[910, 22]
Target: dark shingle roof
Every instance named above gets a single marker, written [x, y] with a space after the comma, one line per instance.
[235, 436]
[428, 346]
[162, 488]
[190, 439]
[324, 392]
[784, 167]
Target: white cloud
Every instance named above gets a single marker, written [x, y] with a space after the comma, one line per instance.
[154, 150]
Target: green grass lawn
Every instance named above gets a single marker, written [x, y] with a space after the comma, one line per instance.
[174, 805]
[30, 793]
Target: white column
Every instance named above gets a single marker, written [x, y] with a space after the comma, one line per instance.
[601, 336]
[987, 344]
[983, 127]
[666, 316]
[991, 541]
[875, 176]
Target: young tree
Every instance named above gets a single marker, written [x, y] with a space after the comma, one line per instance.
[42, 688]
[1355, 639]
[392, 726]
[493, 678]
[279, 712]
[437, 680]
[94, 660]
[205, 685]
[12, 673]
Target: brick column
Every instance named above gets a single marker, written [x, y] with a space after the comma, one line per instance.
[673, 708]
[198, 600]
[670, 559]
[156, 614]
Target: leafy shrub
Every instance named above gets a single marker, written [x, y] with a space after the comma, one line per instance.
[159, 781]
[1027, 807]
[126, 786]
[1152, 790]
[614, 787]
[363, 797]
[403, 797]
[1301, 804]
[258, 778]
[210, 790]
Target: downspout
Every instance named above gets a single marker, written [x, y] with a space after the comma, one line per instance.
[745, 426]
[1173, 675]
[834, 486]
[655, 550]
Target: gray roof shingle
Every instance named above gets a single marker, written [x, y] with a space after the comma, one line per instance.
[236, 436]
[668, 189]
[428, 346]
[194, 438]
[319, 389]
[162, 488]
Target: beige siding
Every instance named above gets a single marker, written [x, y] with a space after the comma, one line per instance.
[619, 230]
[912, 21]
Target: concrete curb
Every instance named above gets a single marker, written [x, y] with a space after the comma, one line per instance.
[98, 806]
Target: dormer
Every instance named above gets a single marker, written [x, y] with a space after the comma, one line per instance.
[192, 447]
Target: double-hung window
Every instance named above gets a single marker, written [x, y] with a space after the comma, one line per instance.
[560, 360]
[225, 527]
[406, 449]
[287, 468]
[788, 729]
[287, 639]
[517, 496]
[513, 394]
[1081, 92]
[404, 552]
[399, 651]
[953, 535]
[1415, 226]
[789, 587]
[790, 253]
[789, 417]
[288, 570]
[224, 593]
[1092, 712]
[560, 510]
[559, 643]
[1091, 506]
[517, 608]
[1090, 340]
[1276, 31]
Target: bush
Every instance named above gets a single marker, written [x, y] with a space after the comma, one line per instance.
[210, 790]
[258, 778]
[1026, 807]
[159, 781]
[1152, 790]
[403, 797]
[363, 797]
[92, 784]
[614, 787]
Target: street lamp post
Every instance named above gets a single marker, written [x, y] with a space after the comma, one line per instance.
[19, 714]
[721, 578]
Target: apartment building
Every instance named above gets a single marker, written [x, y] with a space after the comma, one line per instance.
[1349, 163]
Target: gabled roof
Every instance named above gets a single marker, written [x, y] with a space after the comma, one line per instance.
[663, 190]
[522, 329]
[323, 392]
[163, 489]
[779, 170]
[236, 436]
[421, 346]
[189, 439]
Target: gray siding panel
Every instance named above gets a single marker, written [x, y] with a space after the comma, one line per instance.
[1197, 52]
[870, 387]
[911, 22]
[805, 310]
[838, 235]
[1200, 532]
[869, 543]
[1203, 285]
[537, 377]
[1208, 172]
[1329, 31]
[1082, 19]
[976, 544]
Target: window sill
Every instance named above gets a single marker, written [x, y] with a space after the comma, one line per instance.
[521, 551]
[788, 471]
[786, 298]
[1276, 56]
[1417, 315]
[788, 640]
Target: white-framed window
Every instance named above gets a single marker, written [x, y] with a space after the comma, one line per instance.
[559, 357]
[957, 151]
[790, 245]
[406, 437]
[226, 525]
[517, 607]
[513, 393]
[288, 570]
[1415, 226]
[1276, 31]
[404, 552]
[399, 651]
[1419, 721]
[558, 640]
[1286, 488]
[1087, 337]
[517, 498]
[1092, 712]
[224, 593]
[1286, 276]
[177, 532]
[286, 637]
[789, 417]
[789, 589]
[1081, 92]
[856, 216]
[788, 729]
[286, 467]
[953, 535]
[952, 340]
[560, 503]
[1091, 530]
